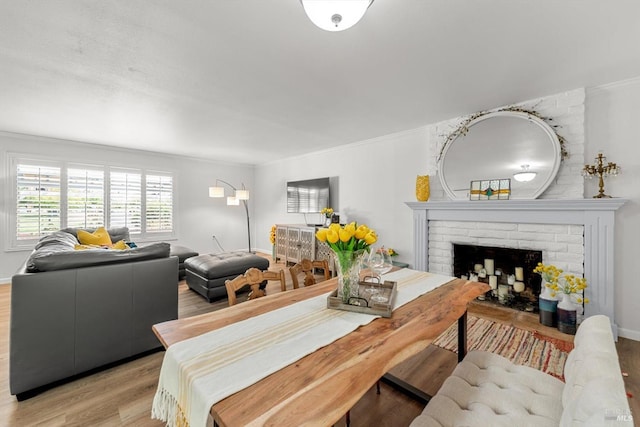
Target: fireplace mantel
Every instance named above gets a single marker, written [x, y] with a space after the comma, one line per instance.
[596, 215]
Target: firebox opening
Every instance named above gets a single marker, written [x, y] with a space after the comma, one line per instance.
[508, 271]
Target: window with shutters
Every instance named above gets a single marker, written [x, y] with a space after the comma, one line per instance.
[49, 196]
[126, 200]
[38, 200]
[85, 198]
[159, 204]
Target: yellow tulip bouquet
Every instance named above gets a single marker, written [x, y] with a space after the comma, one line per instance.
[351, 237]
[349, 243]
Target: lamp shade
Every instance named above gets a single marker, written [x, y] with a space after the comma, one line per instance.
[242, 194]
[216, 191]
[335, 15]
[232, 201]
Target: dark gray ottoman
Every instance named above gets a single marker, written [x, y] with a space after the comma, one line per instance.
[182, 252]
[207, 273]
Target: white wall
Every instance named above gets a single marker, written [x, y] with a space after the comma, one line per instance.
[377, 176]
[613, 126]
[198, 216]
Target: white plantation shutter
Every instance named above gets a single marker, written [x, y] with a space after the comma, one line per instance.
[50, 195]
[159, 203]
[85, 198]
[38, 201]
[126, 201]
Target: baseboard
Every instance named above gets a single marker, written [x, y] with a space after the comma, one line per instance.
[629, 334]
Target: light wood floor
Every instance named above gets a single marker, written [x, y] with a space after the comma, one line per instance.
[122, 395]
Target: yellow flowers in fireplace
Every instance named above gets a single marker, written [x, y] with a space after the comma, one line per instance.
[351, 237]
[559, 283]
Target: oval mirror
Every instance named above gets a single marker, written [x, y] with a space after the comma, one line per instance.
[499, 145]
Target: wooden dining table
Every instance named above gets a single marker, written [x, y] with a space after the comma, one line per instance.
[322, 386]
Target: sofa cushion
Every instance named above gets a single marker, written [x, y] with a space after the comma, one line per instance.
[57, 241]
[487, 389]
[50, 261]
[594, 386]
[120, 245]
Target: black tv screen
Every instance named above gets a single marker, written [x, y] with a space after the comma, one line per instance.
[308, 196]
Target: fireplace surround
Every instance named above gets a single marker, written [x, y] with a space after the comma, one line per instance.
[596, 216]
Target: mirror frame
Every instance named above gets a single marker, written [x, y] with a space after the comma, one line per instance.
[465, 127]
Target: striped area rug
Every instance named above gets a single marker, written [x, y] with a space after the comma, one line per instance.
[518, 345]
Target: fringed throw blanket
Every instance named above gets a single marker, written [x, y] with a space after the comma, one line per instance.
[201, 371]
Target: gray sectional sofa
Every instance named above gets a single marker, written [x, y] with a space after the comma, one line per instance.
[74, 311]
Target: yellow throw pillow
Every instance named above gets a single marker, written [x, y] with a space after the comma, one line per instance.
[120, 245]
[83, 247]
[98, 237]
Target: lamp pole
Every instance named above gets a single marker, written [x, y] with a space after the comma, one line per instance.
[246, 209]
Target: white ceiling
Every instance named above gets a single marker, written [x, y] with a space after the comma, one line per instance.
[254, 80]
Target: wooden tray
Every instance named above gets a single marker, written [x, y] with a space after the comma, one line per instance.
[363, 304]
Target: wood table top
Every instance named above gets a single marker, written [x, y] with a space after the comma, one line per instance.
[322, 386]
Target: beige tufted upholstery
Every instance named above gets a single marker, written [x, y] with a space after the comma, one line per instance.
[487, 390]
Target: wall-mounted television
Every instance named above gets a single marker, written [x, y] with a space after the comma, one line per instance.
[309, 195]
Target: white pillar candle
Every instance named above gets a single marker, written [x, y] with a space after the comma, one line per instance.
[519, 274]
[503, 291]
[488, 265]
[518, 286]
[477, 268]
[493, 282]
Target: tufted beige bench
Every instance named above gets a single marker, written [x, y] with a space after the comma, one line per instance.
[487, 390]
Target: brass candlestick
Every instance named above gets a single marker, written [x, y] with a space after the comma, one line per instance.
[600, 169]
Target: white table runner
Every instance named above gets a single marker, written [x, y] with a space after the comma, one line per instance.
[198, 372]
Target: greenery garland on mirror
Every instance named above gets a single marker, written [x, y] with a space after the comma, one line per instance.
[463, 127]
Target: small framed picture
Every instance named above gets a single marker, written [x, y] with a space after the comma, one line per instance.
[490, 189]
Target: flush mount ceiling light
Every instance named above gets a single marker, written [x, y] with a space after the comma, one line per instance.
[335, 15]
[525, 175]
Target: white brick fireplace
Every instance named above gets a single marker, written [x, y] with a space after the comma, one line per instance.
[576, 235]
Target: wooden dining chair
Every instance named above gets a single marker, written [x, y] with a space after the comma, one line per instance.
[308, 267]
[254, 278]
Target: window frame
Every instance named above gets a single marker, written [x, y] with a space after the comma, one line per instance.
[15, 159]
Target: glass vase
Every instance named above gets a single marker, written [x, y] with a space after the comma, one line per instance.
[348, 265]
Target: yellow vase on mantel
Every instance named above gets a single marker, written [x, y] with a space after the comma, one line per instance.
[422, 188]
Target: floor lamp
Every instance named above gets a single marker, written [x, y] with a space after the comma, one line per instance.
[239, 196]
